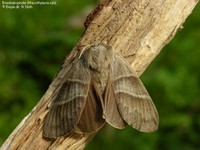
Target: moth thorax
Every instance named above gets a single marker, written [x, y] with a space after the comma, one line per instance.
[101, 79]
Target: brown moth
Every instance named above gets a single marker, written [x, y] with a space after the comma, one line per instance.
[100, 87]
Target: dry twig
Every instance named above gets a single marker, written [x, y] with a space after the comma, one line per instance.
[138, 30]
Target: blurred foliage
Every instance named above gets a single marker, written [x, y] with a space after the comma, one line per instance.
[34, 43]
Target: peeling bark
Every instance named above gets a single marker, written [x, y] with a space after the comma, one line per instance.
[138, 30]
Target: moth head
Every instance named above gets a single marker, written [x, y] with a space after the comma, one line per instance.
[97, 56]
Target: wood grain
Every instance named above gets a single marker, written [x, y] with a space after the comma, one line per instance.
[136, 29]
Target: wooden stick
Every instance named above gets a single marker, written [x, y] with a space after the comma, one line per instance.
[138, 30]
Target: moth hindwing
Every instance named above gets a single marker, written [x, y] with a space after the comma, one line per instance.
[100, 87]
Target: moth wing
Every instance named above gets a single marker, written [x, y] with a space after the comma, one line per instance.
[111, 112]
[68, 103]
[91, 119]
[133, 101]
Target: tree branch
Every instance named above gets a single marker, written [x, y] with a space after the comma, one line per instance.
[138, 30]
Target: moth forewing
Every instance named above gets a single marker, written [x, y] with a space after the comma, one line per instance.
[68, 103]
[133, 100]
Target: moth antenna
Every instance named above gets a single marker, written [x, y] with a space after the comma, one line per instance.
[82, 50]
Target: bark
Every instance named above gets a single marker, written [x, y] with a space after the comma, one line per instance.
[137, 29]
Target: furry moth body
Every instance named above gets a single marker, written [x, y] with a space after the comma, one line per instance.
[100, 87]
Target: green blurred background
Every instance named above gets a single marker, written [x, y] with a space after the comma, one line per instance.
[34, 43]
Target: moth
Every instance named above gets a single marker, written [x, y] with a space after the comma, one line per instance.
[100, 87]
